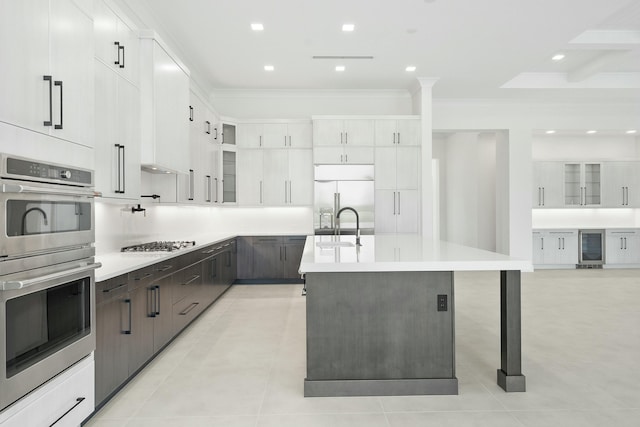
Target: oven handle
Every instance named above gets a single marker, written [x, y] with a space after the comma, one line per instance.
[20, 284]
[18, 188]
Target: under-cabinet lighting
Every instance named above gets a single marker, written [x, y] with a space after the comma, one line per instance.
[631, 131]
[558, 57]
[269, 68]
[410, 68]
[257, 26]
[549, 132]
[591, 132]
[340, 68]
[348, 27]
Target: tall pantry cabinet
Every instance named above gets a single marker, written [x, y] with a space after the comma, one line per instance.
[46, 48]
[117, 106]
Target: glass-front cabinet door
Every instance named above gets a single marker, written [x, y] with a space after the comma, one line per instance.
[582, 184]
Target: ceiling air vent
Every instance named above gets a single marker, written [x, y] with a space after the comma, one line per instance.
[342, 57]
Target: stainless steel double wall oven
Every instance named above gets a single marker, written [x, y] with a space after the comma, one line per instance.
[47, 289]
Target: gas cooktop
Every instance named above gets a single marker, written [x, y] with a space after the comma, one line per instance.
[160, 246]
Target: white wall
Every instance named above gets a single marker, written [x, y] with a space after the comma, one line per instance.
[273, 104]
[585, 147]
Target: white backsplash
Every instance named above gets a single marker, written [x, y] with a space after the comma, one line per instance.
[585, 218]
[117, 226]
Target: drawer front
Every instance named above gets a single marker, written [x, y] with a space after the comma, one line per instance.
[185, 311]
[142, 277]
[112, 288]
[67, 399]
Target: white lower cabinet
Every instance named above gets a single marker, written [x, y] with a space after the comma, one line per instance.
[65, 401]
[622, 247]
[555, 248]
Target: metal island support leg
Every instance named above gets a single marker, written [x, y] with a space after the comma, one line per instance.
[510, 376]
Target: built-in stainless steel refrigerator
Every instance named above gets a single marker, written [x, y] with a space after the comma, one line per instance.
[339, 186]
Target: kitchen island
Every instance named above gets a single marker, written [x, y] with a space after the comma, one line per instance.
[380, 317]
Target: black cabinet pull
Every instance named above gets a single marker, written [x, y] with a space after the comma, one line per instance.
[122, 64]
[50, 121]
[157, 300]
[114, 288]
[191, 183]
[59, 83]
[144, 276]
[208, 131]
[164, 268]
[121, 169]
[188, 309]
[194, 278]
[208, 188]
[78, 401]
[128, 331]
[117, 45]
[190, 113]
[215, 135]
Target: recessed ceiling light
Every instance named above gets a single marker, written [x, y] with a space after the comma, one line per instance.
[630, 131]
[340, 68]
[558, 57]
[269, 68]
[550, 131]
[410, 68]
[591, 132]
[257, 26]
[348, 27]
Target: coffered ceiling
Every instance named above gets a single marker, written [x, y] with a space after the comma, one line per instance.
[477, 48]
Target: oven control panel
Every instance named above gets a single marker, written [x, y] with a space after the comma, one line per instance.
[19, 168]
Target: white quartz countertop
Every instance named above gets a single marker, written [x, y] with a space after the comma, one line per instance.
[398, 252]
[117, 263]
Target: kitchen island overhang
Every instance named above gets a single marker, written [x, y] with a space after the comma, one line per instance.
[380, 317]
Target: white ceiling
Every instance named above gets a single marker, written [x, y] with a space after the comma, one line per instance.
[477, 48]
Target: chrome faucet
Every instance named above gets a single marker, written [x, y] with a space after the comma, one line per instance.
[357, 222]
[24, 219]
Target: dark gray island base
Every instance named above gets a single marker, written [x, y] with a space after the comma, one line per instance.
[380, 316]
[380, 334]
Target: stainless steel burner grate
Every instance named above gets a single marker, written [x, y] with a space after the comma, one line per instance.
[159, 246]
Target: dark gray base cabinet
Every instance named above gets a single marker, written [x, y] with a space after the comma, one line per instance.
[269, 258]
[139, 313]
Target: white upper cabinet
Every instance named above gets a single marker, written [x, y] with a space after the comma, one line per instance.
[47, 74]
[250, 177]
[404, 132]
[164, 90]
[621, 184]
[343, 132]
[117, 135]
[116, 42]
[275, 135]
[582, 184]
[548, 178]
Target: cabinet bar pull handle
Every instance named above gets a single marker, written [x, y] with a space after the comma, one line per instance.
[191, 183]
[559, 246]
[208, 188]
[542, 243]
[285, 253]
[190, 113]
[260, 141]
[621, 247]
[157, 290]
[114, 288]
[215, 134]
[289, 140]
[346, 137]
[260, 192]
[195, 277]
[341, 138]
[398, 138]
[165, 268]
[394, 137]
[122, 65]
[625, 243]
[128, 331]
[542, 196]
[145, 276]
[59, 83]
[285, 140]
[290, 201]
[280, 253]
[394, 202]
[121, 169]
[216, 181]
[188, 309]
[117, 45]
[208, 131]
[285, 192]
[78, 402]
[346, 158]
[50, 121]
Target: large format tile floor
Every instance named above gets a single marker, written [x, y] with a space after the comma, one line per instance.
[242, 363]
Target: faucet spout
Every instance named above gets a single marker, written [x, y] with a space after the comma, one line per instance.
[347, 208]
